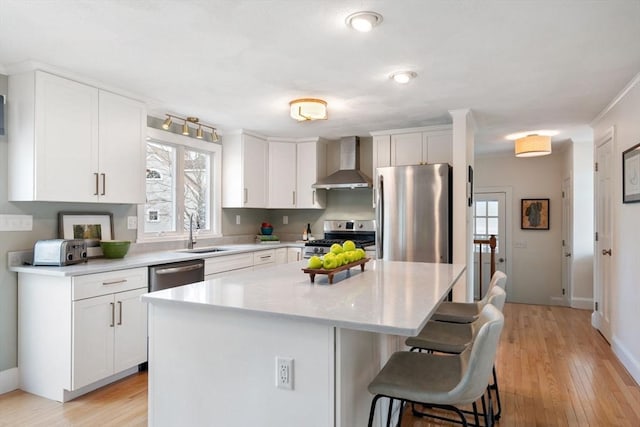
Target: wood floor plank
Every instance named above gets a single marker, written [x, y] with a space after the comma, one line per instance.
[554, 370]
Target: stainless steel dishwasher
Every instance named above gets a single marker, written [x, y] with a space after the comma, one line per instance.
[164, 276]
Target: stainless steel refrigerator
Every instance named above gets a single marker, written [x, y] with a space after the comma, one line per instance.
[413, 213]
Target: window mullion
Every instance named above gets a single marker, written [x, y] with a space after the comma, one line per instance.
[180, 203]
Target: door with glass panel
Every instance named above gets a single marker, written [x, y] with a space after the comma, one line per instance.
[489, 220]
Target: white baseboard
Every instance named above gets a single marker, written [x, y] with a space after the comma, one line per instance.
[561, 301]
[626, 358]
[8, 380]
[582, 303]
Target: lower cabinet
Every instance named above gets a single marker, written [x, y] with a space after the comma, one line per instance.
[79, 333]
[294, 254]
[109, 336]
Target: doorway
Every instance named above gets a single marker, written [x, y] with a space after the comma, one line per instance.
[567, 239]
[491, 217]
[601, 317]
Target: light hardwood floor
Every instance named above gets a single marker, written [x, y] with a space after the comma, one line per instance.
[553, 368]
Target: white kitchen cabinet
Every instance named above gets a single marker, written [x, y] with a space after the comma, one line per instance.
[244, 171]
[109, 336]
[399, 147]
[79, 333]
[294, 166]
[282, 175]
[294, 254]
[73, 142]
[219, 265]
[281, 256]
[406, 149]
[381, 152]
[264, 258]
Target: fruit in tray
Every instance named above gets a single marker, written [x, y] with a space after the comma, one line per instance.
[348, 245]
[315, 262]
[336, 248]
[329, 262]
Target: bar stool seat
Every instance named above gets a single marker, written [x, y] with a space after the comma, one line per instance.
[442, 337]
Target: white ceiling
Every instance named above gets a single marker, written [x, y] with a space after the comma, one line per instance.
[518, 65]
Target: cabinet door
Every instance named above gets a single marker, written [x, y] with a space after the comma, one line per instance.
[406, 149]
[130, 343]
[92, 343]
[282, 175]
[122, 149]
[381, 151]
[66, 140]
[254, 158]
[310, 166]
[294, 254]
[281, 256]
[438, 148]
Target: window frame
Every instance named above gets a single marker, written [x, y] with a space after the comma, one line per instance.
[182, 142]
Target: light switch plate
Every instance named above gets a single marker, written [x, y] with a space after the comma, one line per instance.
[132, 223]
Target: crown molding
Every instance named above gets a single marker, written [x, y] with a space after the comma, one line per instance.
[634, 81]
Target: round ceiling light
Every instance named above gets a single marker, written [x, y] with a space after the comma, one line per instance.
[363, 21]
[403, 77]
[307, 109]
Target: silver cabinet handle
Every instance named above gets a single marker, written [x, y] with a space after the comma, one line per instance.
[313, 197]
[246, 195]
[294, 197]
[115, 282]
[113, 314]
[172, 270]
[606, 252]
[104, 184]
[120, 313]
[97, 183]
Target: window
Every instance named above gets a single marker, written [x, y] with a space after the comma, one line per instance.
[183, 178]
[486, 219]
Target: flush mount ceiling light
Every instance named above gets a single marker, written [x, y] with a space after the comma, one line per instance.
[306, 109]
[403, 77]
[186, 129]
[533, 146]
[363, 21]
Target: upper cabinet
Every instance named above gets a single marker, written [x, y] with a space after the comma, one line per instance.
[71, 142]
[294, 166]
[400, 147]
[244, 171]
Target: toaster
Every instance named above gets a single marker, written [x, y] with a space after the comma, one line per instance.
[59, 252]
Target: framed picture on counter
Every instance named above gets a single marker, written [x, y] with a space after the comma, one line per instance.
[90, 226]
[534, 214]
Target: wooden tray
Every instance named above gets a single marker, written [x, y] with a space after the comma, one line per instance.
[313, 271]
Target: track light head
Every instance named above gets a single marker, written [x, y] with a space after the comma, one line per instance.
[167, 123]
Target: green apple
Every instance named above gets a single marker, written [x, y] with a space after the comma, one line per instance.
[361, 253]
[348, 245]
[351, 255]
[315, 262]
[341, 259]
[336, 248]
[329, 262]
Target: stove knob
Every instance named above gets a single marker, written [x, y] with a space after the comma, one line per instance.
[339, 225]
[361, 225]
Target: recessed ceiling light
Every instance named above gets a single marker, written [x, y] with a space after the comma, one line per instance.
[363, 21]
[403, 77]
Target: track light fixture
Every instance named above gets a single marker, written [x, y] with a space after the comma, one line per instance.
[186, 129]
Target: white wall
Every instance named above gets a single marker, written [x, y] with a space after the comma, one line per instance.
[625, 279]
[536, 270]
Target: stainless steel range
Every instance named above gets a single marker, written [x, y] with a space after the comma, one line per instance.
[362, 232]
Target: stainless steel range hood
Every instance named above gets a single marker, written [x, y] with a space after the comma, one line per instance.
[349, 175]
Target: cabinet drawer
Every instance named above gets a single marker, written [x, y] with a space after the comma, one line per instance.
[228, 262]
[264, 257]
[93, 285]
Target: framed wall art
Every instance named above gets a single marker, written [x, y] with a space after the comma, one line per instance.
[534, 214]
[90, 226]
[631, 175]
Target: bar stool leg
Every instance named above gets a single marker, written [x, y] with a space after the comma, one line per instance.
[495, 387]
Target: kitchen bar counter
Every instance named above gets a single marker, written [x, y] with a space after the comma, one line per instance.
[214, 346]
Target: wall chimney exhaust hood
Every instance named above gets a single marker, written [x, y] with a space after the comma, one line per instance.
[349, 175]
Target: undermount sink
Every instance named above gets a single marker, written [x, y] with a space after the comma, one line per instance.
[203, 250]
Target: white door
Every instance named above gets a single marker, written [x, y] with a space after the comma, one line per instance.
[601, 318]
[567, 238]
[490, 218]
[130, 342]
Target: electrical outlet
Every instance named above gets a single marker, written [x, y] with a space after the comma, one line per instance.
[284, 372]
[132, 223]
[285, 220]
[237, 219]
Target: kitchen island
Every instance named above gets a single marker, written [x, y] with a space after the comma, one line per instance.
[213, 345]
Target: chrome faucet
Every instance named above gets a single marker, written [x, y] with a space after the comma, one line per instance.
[191, 240]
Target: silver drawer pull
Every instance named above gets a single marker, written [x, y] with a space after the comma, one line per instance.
[115, 282]
[265, 256]
[113, 315]
[172, 270]
[120, 312]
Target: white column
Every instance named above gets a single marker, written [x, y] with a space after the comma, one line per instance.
[463, 157]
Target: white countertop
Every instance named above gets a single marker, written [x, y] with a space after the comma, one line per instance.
[101, 265]
[388, 297]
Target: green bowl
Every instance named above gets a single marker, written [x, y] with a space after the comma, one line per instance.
[114, 248]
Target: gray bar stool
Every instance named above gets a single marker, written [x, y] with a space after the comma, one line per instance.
[467, 312]
[443, 381]
[454, 338]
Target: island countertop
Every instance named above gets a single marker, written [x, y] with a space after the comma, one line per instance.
[389, 297]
